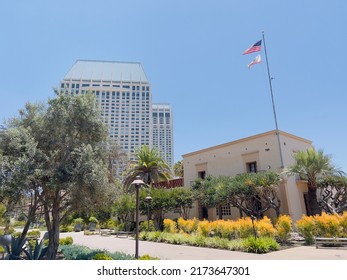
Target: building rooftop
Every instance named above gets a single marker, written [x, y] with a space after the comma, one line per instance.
[157, 106]
[272, 132]
[106, 71]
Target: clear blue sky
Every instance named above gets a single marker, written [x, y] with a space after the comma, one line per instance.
[192, 54]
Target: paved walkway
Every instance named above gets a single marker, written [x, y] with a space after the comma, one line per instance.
[179, 252]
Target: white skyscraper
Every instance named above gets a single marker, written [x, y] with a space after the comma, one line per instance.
[124, 95]
[163, 131]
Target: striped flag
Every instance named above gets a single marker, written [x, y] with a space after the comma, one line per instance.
[256, 60]
[254, 48]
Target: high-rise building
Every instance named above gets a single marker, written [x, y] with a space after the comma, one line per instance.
[163, 131]
[124, 95]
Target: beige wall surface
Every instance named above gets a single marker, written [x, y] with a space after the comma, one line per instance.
[231, 158]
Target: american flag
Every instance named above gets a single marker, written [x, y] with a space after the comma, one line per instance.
[254, 48]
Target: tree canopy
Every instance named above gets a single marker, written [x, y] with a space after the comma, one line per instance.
[61, 151]
[311, 165]
[252, 193]
[149, 165]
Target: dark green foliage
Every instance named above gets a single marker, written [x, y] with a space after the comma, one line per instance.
[78, 252]
[251, 193]
[59, 159]
[124, 209]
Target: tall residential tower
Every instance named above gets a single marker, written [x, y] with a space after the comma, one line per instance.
[163, 131]
[124, 95]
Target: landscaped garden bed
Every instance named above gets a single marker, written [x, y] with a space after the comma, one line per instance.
[257, 236]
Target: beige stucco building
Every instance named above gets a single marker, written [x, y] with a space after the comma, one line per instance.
[256, 153]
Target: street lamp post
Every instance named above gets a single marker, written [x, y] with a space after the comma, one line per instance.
[148, 200]
[137, 183]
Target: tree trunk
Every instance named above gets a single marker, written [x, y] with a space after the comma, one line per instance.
[313, 207]
[53, 233]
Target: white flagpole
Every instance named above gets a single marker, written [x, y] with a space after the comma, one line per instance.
[273, 103]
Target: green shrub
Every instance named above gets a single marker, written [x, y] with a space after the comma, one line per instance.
[144, 226]
[217, 242]
[143, 235]
[79, 252]
[283, 228]
[197, 240]
[236, 245]
[34, 233]
[148, 257]
[101, 256]
[66, 240]
[78, 221]
[178, 238]
[156, 236]
[307, 228]
[259, 245]
[66, 228]
[92, 219]
[19, 224]
[110, 224]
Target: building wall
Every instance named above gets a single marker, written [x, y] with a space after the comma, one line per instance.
[163, 131]
[234, 158]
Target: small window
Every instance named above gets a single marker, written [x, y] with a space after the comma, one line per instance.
[202, 174]
[252, 167]
[225, 209]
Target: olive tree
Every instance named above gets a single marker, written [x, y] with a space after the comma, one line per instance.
[71, 172]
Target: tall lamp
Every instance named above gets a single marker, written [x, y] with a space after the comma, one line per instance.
[137, 183]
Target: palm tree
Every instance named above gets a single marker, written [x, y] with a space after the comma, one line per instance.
[311, 165]
[178, 168]
[149, 166]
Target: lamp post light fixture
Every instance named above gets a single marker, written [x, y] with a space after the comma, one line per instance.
[148, 200]
[137, 183]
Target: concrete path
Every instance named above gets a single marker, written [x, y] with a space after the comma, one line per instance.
[179, 252]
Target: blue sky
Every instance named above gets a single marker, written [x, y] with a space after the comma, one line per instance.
[192, 54]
